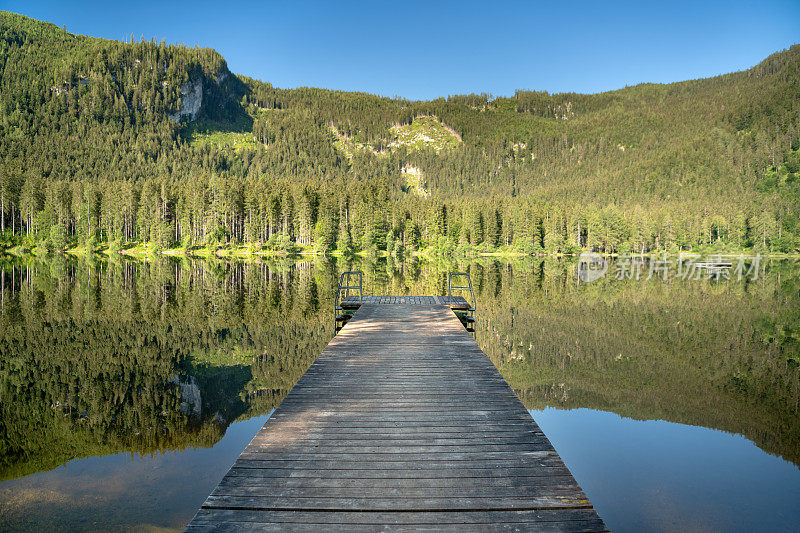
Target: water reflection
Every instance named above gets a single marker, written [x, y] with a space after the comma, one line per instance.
[97, 358]
[657, 475]
[100, 358]
[122, 490]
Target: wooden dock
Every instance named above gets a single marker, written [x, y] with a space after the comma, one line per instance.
[402, 423]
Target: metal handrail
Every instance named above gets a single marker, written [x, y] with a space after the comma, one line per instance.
[467, 287]
[346, 288]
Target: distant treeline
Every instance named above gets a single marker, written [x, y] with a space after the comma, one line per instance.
[271, 215]
[93, 148]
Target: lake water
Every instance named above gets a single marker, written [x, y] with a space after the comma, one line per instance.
[128, 388]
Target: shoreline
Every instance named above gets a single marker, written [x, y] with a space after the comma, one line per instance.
[244, 252]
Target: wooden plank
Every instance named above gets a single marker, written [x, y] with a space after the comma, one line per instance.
[260, 470]
[469, 517]
[412, 466]
[572, 520]
[401, 423]
[400, 486]
[549, 499]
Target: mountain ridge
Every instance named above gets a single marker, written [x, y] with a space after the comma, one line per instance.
[687, 165]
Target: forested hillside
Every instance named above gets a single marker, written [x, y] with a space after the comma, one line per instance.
[105, 143]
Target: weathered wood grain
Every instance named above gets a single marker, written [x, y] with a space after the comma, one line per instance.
[402, 423]
[565, 520]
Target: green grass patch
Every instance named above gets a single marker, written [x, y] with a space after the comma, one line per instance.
[236, 135]
[424, 133]
[350, 145]
[225, 139]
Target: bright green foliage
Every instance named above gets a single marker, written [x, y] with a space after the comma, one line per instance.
[224, 139]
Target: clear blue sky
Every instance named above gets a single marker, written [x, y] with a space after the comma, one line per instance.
[429, 49]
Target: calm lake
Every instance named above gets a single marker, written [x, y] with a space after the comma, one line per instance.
[128, 388]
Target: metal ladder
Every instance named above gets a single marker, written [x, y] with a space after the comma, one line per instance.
[465, 315]
[346, 284]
